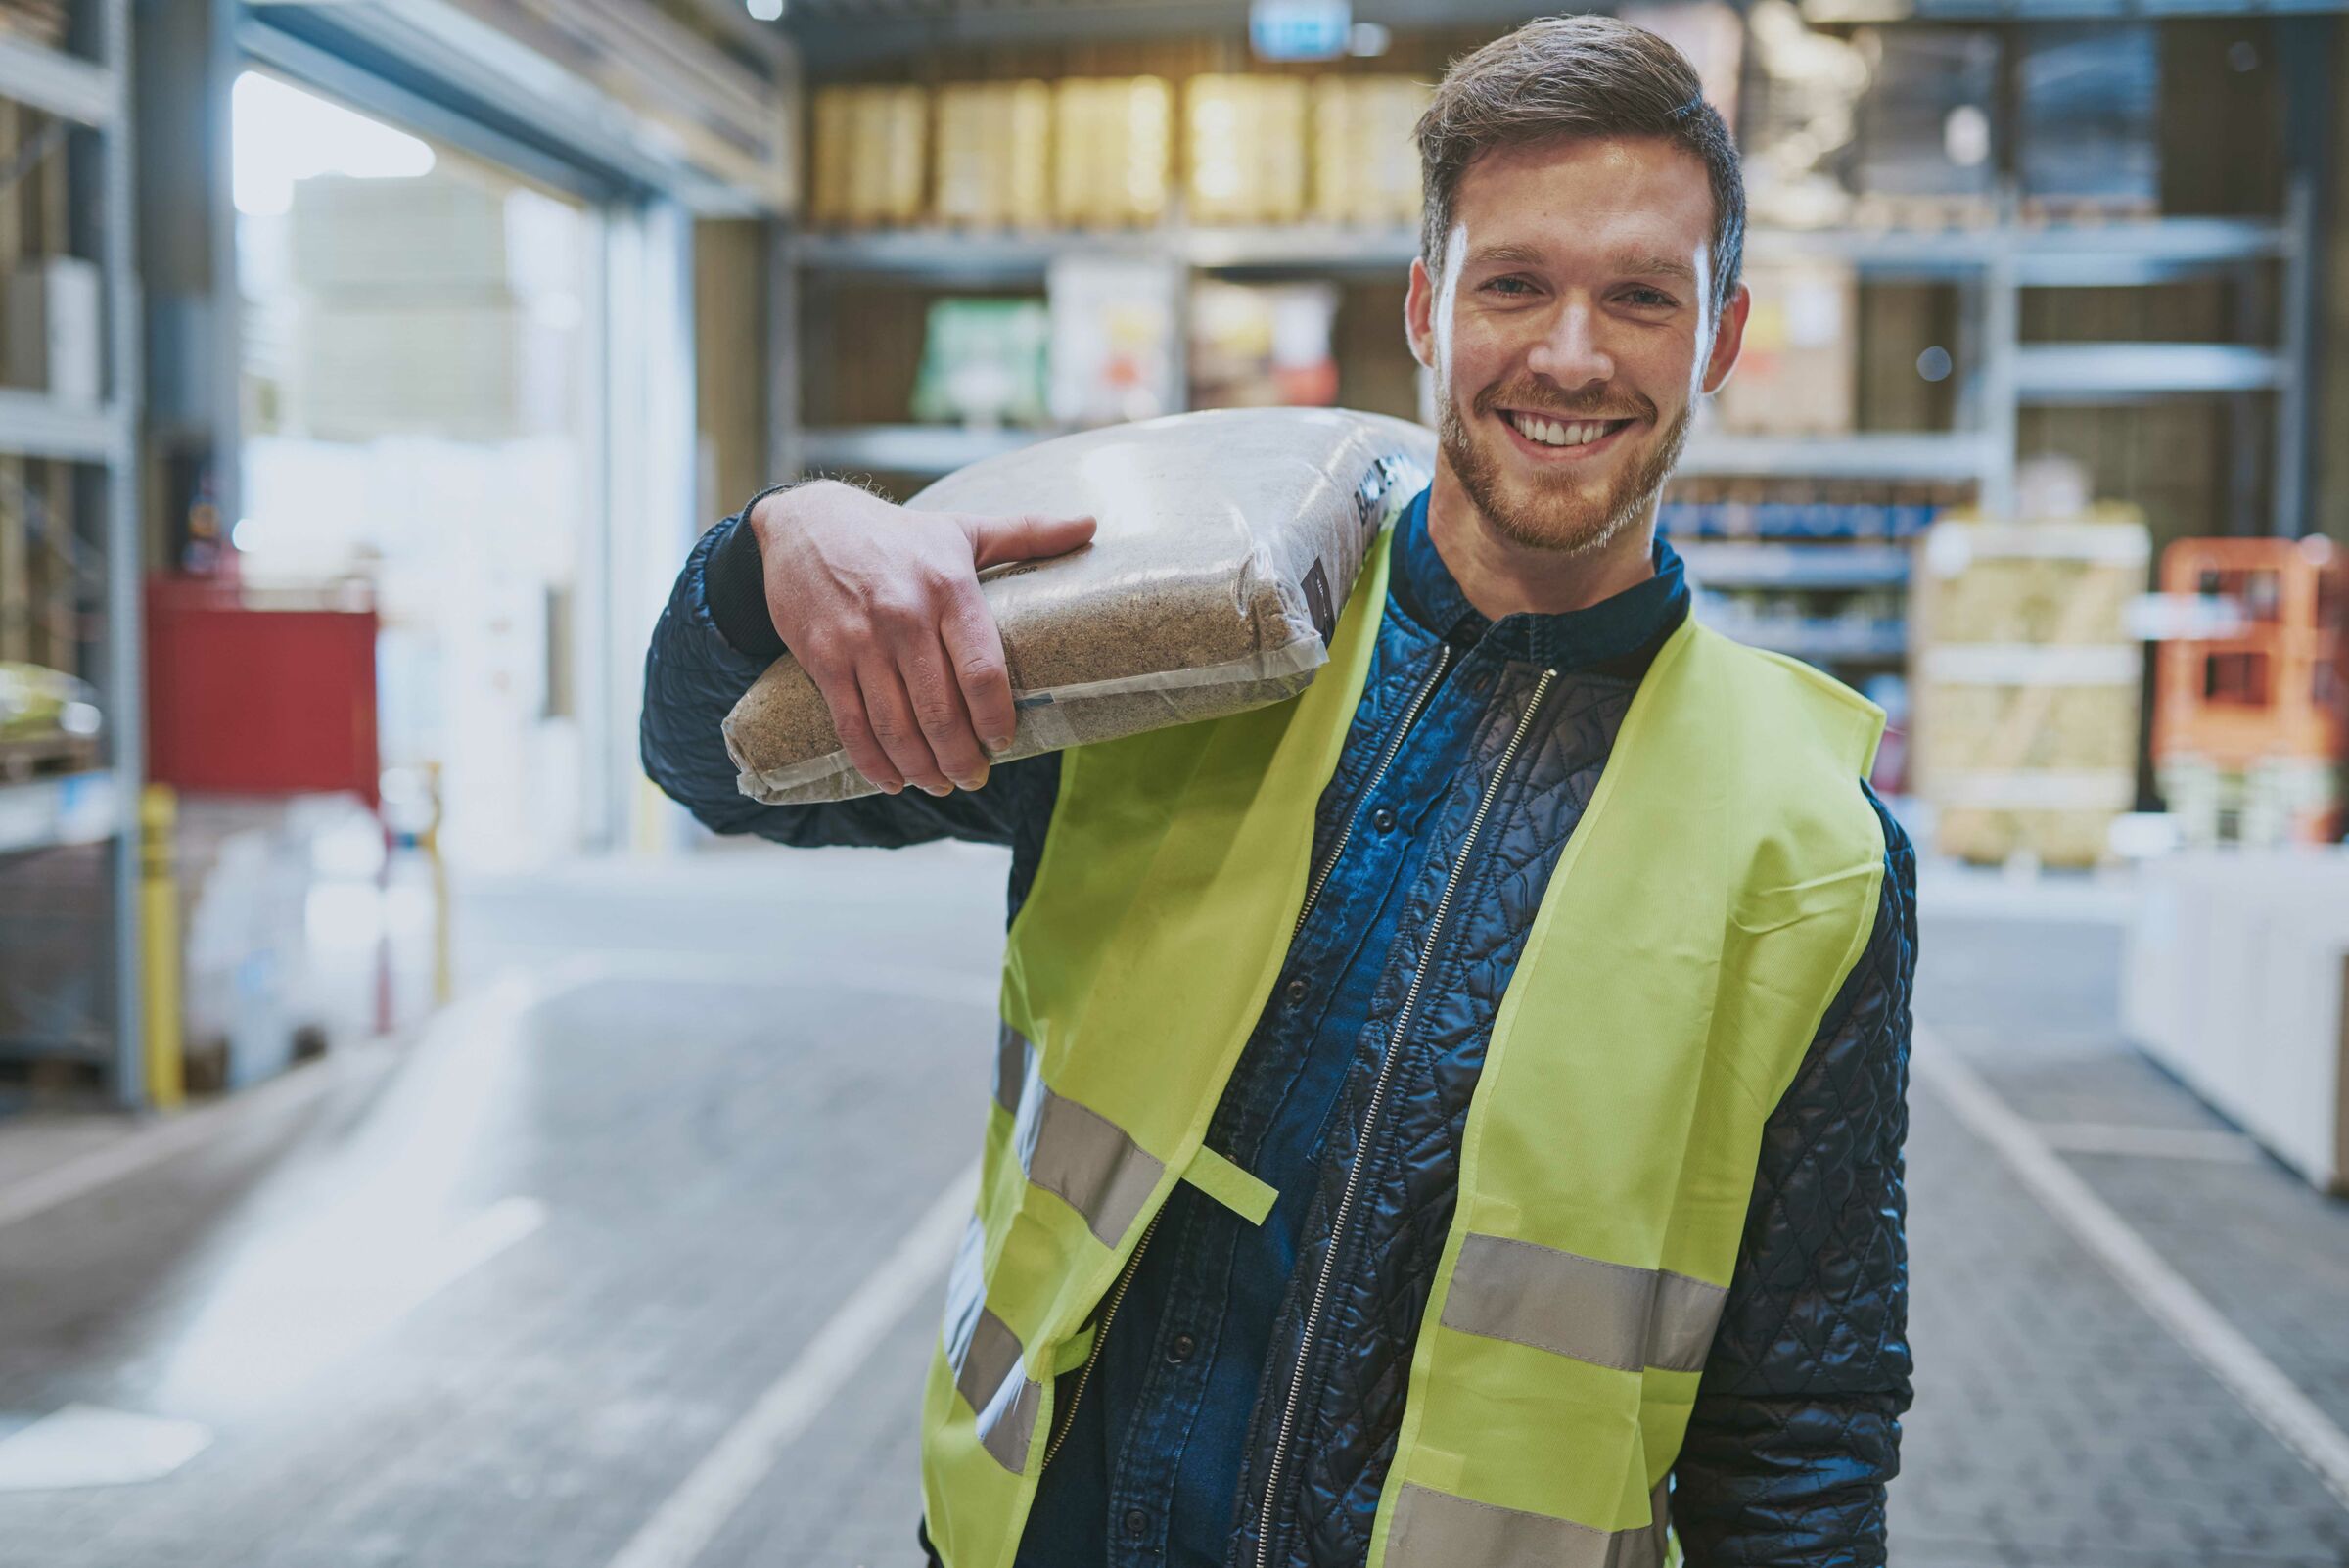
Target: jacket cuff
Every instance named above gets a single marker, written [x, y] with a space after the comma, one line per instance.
[736, 590]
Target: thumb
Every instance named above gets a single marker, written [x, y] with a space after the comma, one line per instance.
[997, 539]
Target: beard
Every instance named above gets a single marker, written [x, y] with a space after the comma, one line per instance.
[1552, 512]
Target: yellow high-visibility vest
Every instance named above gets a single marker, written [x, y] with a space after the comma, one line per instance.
[1715, 893]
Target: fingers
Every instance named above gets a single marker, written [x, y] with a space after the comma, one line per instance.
[997, 539]
[975, 649]
[891, 714]
[929, 675]
[844, 695]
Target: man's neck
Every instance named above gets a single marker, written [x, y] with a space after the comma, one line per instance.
[1503, 577]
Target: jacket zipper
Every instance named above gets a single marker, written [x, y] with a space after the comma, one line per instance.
[1329, 863]
[1361, 1145]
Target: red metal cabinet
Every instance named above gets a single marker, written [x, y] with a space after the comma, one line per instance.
[259, 694]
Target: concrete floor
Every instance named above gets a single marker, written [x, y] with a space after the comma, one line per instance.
[631, 1259]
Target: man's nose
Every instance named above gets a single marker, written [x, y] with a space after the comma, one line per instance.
[1570, 352]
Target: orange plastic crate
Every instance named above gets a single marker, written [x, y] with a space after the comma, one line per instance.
[2281, 690]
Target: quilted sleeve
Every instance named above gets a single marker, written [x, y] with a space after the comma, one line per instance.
[693, 676]
[1796, 1428]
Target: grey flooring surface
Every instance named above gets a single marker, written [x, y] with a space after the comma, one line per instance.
[489, 1301]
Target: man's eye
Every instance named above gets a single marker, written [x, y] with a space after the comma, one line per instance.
[1650, 297]
[1510, 286]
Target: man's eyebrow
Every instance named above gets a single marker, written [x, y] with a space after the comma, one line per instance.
[1520, 255]
[1656, 266]
[1633, 264]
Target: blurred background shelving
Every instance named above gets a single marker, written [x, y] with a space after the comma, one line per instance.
[2010, 254]
[70, 693]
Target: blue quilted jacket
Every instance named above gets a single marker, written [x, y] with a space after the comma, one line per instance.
[1175, 1443]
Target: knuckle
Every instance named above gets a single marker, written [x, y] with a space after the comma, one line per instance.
[899, 609]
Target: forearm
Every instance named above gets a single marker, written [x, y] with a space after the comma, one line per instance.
[694, 674]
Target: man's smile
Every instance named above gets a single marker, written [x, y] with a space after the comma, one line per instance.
[1553, 438]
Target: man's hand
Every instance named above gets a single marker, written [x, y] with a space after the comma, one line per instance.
[881, 607]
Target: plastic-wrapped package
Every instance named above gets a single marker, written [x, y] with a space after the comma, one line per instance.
[1227, 544]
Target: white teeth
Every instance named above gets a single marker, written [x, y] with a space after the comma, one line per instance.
[1553, 432]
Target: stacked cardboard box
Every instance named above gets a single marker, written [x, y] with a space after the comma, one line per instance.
[2028, 683]
[995, 165]
[1246, 143]
[1798, 372]
[1113, 138]
[869, 146]
[1365, 167]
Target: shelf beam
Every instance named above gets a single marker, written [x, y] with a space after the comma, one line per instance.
[58, 84]
[2106, 372]
[1927, 455]
[34, 426]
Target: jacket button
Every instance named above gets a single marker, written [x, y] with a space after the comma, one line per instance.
[1136, 1522]
[1295, 991]
[1180, 1350]
[1383, 820]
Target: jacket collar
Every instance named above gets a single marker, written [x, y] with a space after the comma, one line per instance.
[1631, 625]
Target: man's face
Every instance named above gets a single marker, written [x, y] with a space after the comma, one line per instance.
[1571, 332]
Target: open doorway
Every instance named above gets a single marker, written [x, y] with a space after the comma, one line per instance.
[421, 372]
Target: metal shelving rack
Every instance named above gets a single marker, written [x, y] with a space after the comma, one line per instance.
[1993, 264]
[89, 92]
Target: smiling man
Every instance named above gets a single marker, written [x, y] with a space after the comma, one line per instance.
[1453, 1118]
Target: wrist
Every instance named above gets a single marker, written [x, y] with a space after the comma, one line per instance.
[734, 588]
[772, 511]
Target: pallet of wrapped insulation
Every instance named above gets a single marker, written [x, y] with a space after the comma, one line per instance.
[2028, 683]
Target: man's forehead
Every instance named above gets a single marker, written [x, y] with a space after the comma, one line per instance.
[1588, 199]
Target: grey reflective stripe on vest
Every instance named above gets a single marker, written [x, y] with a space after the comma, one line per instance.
[1070, 1150]
[1012, 1055]
[1609, 1315]
[986, 1357]
[1434, 1529]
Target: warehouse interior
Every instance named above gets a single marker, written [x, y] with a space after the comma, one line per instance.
[422, 1141]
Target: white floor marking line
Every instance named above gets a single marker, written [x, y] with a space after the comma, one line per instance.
[693, 1514]
[86, 1446]
[2150, 1142]
[2271, 1397]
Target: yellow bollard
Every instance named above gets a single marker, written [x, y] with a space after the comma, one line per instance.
[159, 926]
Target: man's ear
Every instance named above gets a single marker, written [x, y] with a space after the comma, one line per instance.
[1728, 340]
[1420, 314]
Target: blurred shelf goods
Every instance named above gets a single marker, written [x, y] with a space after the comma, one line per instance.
[1359, 178]
[995, 164]
[870, 147]
[984, 363]
[2251, 727]
[1262, 345]
[2027, 682]
[1113, 144]
[1245, 148]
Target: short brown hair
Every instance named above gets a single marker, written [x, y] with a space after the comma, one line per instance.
[1577, 76]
